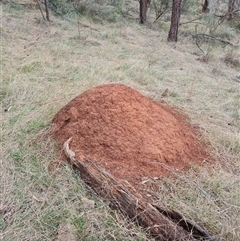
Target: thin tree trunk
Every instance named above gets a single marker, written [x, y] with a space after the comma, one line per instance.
[39, 5]
[143, 11]
[231, 4]
[175, 20]
[206, 6]
[47, 10]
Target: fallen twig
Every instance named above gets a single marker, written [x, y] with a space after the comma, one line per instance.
[191, 21]
[86, 26]
[215, 38]
[197, 40]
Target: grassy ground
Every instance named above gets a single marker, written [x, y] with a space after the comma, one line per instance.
[43, 66]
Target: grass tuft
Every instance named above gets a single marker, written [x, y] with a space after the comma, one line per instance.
[232, 58]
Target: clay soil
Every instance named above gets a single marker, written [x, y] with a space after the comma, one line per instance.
[129, 135]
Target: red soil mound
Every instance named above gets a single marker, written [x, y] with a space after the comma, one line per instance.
[128, 134]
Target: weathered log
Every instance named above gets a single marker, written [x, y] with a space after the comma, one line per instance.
[161, 224]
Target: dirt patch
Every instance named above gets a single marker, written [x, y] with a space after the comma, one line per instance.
[129, 135]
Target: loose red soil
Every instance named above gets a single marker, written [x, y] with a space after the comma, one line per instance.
[129, 135]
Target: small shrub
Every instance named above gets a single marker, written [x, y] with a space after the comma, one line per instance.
[189, 6]
[205, 58]
[61, 7]
[11, 7]
[96, 10]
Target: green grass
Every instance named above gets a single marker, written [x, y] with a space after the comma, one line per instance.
[46, 65]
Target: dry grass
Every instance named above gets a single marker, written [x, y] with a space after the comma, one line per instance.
[45, 65]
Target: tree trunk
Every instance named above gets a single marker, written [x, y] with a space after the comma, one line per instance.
[231, 4]
[47, 10]
[143, 11]
[175, 19]
[206, 6]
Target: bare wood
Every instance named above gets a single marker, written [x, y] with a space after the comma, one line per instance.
[191, 21]
[161, 224]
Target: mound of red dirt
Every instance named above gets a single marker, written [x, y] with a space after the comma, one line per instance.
[126, 133]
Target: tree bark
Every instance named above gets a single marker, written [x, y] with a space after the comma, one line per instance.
[175, 20]
[47, 10]
[206, 6]
[231, 4]
[143, 11]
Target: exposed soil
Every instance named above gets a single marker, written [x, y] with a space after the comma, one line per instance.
[128, 134]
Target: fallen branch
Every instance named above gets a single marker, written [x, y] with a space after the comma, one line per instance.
[162, 224]
[191, 21]
[86, 26]
[197, 39]
[160, 15]
[215, 38]
[225, 14]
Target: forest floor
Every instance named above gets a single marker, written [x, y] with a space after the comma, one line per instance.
[45, 65]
